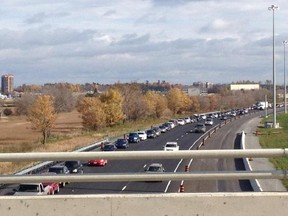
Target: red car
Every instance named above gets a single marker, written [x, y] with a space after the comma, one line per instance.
[97, 162]
[54, 187]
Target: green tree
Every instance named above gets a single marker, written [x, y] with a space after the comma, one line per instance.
[92, 112]
[42, 115]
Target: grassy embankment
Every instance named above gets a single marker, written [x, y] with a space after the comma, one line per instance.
[276, 138]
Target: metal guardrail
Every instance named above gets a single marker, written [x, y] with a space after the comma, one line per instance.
[137, 155]
[120, 177]
[132, 155]
[49, 163]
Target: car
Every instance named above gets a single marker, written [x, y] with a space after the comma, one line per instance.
[163, 128]
[223, 117]
[187, 120]
[151, 133]
[181, 122]
[74, 166]
[122, 143]
[209, 121]
[167, 125]
[133, 138]
[171, 146]
[202, 117]
[200, 128]
[60, 169]
[97, 162]
[142, 135]
[31, 189]
[171, 124]
[157, 130]
[109, 147]
[174, 121]
[155, 168]
[54, 187]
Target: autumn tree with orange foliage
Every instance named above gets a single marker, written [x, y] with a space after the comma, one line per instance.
[156, 104]
[42, 115]
[113, 106]
[178, 101]
[92, 111]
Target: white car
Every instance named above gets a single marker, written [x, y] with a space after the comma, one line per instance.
[142, 135]
[209, 121]
[181, 122]
[202, 117]
[187, 120]
[171, 146]
[31, 189]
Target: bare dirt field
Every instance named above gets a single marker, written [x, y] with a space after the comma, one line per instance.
[16, 135]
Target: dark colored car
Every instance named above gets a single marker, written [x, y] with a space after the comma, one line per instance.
[60, 169]
[151, 133]
[163, 128]
[157, 130]
[74, 166]
[133, 138]
[122, 143]
[109, 147]
[200, 128]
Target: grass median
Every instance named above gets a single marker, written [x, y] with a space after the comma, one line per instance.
[276, 138]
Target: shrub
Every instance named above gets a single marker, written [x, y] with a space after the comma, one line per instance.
[7, 112]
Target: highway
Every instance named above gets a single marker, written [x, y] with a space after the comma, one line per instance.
[225, 138]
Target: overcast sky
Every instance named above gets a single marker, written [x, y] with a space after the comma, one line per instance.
[108, 41]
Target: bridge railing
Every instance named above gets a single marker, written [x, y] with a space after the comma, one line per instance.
[138, 155]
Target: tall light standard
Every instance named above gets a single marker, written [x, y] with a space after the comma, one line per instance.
[273, 8]
[284, 44]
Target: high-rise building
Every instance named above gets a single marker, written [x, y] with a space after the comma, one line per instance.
[7, 83]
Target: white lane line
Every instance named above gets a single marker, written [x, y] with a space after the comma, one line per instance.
[168, 184]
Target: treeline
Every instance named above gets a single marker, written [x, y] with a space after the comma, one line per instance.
[122, 102]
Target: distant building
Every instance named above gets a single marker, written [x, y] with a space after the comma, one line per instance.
[7, 83]
[253, 86]
[195, 91]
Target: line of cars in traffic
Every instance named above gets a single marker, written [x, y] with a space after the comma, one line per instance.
[73, 167]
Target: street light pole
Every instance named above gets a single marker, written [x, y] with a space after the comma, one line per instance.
[285, 105]
[273, 8]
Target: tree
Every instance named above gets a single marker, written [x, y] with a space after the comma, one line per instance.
[176, 100]
[24, 103]
[42, 115]
[156, 104]
[92, 111]
[112, 104]
[134, 104]
[63, 97]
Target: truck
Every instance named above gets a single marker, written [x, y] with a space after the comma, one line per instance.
[32, 189]
[261, 105]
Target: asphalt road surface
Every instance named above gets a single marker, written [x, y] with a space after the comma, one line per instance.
[226, 138]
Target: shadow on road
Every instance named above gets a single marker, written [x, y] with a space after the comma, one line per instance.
[245, 185]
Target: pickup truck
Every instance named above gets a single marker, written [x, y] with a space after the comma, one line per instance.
[31, 189]
[171, 146]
